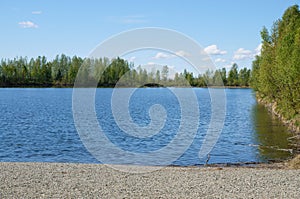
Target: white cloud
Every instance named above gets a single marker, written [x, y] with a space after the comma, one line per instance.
[242, 54]
[214, 50]
[258, 49]
[202, 52]
[28, 24]
[36, 12]
[151, 63]
[161, 55]
[182, 53]
[219, 60]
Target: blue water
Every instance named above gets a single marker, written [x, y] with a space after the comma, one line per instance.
[36, 125]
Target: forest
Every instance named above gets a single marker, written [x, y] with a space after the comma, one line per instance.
[62, 72]
[276, 72]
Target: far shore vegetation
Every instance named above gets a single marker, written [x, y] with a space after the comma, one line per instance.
[63, 70]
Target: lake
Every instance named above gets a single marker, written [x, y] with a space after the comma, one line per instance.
[37, 125]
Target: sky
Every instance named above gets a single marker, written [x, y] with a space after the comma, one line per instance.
[228, 31]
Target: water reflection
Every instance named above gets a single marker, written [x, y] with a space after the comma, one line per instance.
[273, 137]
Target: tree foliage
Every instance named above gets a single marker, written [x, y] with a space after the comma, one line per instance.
[276, 72]
[62, 71]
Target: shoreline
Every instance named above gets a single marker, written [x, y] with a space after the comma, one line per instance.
[72, 86]
[272, 164]
[290, 124]
[272, 108]
[67, 180]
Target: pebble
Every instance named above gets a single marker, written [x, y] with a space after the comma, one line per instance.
[60, 180]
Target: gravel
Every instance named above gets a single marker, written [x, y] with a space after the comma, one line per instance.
[59, 180]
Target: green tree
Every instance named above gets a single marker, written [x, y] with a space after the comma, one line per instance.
[165, 73]
[276, 72]
[244, 77]
[233, 77]
[157, 77]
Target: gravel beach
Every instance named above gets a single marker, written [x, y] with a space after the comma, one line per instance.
[57, 180]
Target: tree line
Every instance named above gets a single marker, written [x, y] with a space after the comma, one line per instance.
[276, 72]
[62, 72]
[221, 77]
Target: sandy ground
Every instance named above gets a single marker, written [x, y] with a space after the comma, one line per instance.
[55, 180]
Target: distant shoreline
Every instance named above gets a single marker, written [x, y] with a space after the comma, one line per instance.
[72, 86]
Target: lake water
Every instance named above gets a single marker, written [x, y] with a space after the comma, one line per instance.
[36, 125]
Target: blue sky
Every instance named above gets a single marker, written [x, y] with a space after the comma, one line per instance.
[228, 30]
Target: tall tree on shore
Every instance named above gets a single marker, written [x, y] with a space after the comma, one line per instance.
[276, 72]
